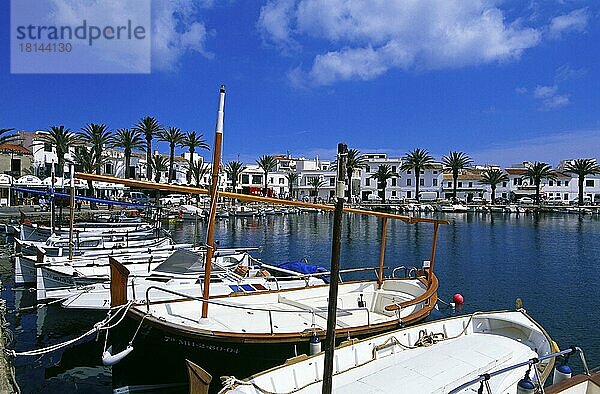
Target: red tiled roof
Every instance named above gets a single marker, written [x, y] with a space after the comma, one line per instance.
[14, 148]
[516, 171]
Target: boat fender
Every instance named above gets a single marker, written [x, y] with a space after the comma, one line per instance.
[314, 344]
[525, 385]
[109, 359]
[561, 372]
[458, 299]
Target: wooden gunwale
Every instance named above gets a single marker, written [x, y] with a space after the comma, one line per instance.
[224, 336]
[231, 295]
[138, 313]
[249, 198]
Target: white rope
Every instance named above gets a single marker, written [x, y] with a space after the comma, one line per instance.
[105, 324]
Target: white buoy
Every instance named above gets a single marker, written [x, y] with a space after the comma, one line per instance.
[561, 372]
[315, 345]
[109, 359]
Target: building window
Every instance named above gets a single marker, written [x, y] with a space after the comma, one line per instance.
[332, 181]
[589, 183]
[503, 185]
[408, 181]
[459, 184]
[393, 181]
[470, 184]
[256, 179]
[435, 182]
[551, 183]
[408, 194]
[393, 168]
[515, 181]
[503, 195]
[245, 179]
[435, 172]
[108, 168]
[566, 196]
[557, 183]
[368, 182]
[15, 166]
[367, 169]
[566, 183]
[393, 193]
[422, 182]
[408, 172]
[47, 147]
[449, 184]
[282, 181]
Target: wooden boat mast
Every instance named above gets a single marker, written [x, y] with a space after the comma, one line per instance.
[210, 236]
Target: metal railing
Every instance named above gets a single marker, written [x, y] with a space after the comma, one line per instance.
[484, 378]
[310, 310]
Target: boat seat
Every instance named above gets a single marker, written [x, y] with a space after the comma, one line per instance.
[385, 298]
[319, 311]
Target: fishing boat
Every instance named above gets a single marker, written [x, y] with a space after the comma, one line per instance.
[243, 211]
[30, 232]
[435, 357]
[251, 332]
[26, 264]
[229, 275]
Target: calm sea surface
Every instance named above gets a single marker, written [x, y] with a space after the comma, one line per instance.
[551, 262]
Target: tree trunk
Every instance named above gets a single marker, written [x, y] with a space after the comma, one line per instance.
[454, 184]
[537, 193]
[127, 163]
[580, 182]
[188, 175]
[383, 192]
[266, 184]
[417, 183]
[493, 194]
[349, 173]
[148, 160]
[60, 170]
[91, 194]
[171, 161]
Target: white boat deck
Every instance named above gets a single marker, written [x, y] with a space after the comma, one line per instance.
[295, 311]
[391, 363]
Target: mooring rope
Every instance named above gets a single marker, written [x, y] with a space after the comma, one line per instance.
[104, 324]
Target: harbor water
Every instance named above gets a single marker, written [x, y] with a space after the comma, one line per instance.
[550, 261]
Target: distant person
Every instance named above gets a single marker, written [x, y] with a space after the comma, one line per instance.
[78, 205]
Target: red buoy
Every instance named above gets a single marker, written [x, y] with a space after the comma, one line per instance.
[458, 298]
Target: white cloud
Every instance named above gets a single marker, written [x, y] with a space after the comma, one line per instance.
[177, 31]
[566, 72]
[548, 148]
[274, 23]
[574, 21]
[549, 97]
[366, 39]
[521, 90]
[545, 91]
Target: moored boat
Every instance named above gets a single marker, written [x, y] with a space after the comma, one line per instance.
[434, 357]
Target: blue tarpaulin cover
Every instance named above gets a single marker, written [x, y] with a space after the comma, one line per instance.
[305, 268]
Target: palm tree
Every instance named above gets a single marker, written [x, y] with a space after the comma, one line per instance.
[159, 164]
[148, 127]
[174, 137]
[493, 177]
[316, 183]
[234, 170]
[87, 159]
[267, 163]
[354, 160]
[98, 136]
[536, 172]
[193, 140]
[583, 167]
[417, 160]
[383, 173]
[129, 140]
[454, 162]
[62, 139]
[6, 139]
[198, 171]
[292, 179]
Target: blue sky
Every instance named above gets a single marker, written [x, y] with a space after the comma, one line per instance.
[504, 81]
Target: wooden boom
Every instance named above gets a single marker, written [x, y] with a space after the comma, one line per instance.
[247, 197]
